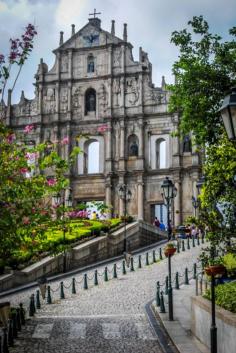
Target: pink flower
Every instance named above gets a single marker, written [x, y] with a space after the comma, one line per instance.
[31, 155]
[24, 170]
[11, 137]
[65, 141]
[102, 128]
[28, 128]
[51, 182]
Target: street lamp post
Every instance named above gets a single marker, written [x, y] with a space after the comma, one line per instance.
[59, 200]
[228, 114]
[169, 193]
[125, 195]
[196, 204]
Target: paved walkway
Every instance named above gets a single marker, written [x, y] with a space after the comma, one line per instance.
[110, 317]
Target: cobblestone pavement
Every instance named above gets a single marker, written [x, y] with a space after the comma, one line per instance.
[109, 317]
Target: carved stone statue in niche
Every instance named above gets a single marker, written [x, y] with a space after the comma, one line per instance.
[116, 91]
[64, 101]
[76, 99]
[132, 90]
[187, 145]
[49, 102]
[103, 103]
[133, 150]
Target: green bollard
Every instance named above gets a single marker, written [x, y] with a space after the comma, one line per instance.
[123, 267]
[105, 275]
[33, 301]
[194, 271]
[160, 254]
[162, 304]
[18, 322]
[73, 289]
[193, 242]
[49, 298]
[62, 294]
[132, 264]
[114, 271]
[188, 244]
[154, 256]
[198, 241]
[158, 299]
[96, 277]
[85, 281]
[140, 261]
[31, 307]
[183, 245]
[177, 246]
[177, 280]
[22, 314]
[147, 259]
[166, 285]
[186, 281]
[38, 305]
[10, 334]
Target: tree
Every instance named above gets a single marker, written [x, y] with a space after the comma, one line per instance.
[204, 72]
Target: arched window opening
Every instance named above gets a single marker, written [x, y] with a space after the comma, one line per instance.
[93, 157]
[187, 145]
[160, 154]
[90, 101]
[133, 146]
[90, 64]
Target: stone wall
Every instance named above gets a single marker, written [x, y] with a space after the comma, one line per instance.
[201, 323]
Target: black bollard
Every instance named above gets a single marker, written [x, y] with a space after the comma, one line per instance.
[31, 307]
[132, 264]
[166, 285]
[194, 271]
[14, 327]
[38, 305]
[105, 275]
[33, 303]
[202, 238]
[147, 259]
[85, 281]
[96, 277]
[10, 334]
[5, 343]
[114, 271]
[62, 294]
[18, 322]
[177, 280]
[188, 245]
[160, 254]
[162, 304]
[22, 314]
[123, 267]
[140, 261]
[158, 299]
[49, 297]
[183, 245]
[198, 241]
[193, 242]
[177, 246]
[186, 281]
[73, 289]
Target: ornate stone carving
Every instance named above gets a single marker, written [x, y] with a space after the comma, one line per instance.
[132, 91]
[117, 91]
[117, 58]
[76, 101]
[64, 100]
[64, 63]
[49, 102]
[103, 101]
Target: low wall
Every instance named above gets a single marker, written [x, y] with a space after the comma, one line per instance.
[201, 323]
[103, 247]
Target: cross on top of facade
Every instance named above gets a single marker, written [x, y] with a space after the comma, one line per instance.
[94, 13]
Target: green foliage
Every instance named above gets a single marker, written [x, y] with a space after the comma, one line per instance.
[225, 296]
[204, 72]
[229, 261]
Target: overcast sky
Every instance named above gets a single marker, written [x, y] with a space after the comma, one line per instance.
[150, 24]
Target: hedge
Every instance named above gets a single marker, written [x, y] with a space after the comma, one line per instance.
[225, 296]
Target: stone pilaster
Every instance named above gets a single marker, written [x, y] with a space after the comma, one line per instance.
[140, 198]
[178, 204]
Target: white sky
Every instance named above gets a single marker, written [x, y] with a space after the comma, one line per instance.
[150, 24]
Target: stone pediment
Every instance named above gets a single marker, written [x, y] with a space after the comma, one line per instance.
[87, 37]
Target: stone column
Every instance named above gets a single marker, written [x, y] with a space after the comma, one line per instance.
[121, 201]
[140, 198]
[108, 195]
[40, 99]
[108, 148]
[141, 137]
[122, 140]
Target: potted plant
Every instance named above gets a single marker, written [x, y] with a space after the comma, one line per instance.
[215, 267]
[169, 249]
